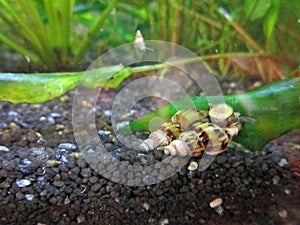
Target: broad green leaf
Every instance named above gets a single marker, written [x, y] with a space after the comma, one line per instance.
[109, 77]
[34, 88]
[256, 9]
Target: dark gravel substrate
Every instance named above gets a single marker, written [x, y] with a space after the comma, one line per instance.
[43, 179]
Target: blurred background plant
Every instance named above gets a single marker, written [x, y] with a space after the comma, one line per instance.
[47, 32]
[236, 37]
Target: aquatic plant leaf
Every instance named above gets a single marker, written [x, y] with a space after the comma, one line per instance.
[256, 9]
[267, 112]
[108, 77]
[41, 87]
[271, 19]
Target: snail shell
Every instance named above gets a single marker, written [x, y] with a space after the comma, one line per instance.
[170, 131]
[187, 117]
[209, 137]
[166, 133]
[188, 143]
[190, 132]
[218, 140]
[220, 113]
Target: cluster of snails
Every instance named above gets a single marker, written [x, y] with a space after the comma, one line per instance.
[191, 131]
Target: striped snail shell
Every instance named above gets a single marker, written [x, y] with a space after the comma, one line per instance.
[186, 144]
[170, 131]
[166, 133]
[191, 131]
[187, 117]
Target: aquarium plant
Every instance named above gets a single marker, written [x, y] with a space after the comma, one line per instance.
[246, 39]
[45, 32]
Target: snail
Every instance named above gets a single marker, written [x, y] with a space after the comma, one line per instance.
[170, 131]
[192, 131]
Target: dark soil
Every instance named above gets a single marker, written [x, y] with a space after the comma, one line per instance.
[43, 181]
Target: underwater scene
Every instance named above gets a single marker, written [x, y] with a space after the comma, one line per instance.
[149, 112]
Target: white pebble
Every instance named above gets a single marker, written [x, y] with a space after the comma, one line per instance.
[107, 112]
[283, 162]
[287, 191]
[104, 132]
[80, 219]
[12, 113]
[42, 118]
[146, 205]
[55, 115]
[67, 146]
[51, 119]
[29, 197]
[23, 183]
[4, 148]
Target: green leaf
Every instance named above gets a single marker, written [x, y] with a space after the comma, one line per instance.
[109, 77]
[267, 112]
[255, 9]
[34, 88]
[270, 20]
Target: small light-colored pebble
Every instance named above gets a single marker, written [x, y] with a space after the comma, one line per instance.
[283, 162]
[4, 148]
[23, 183]
[146, 205]
[66, 146]
[164, 221]
[216, 204]
[283, 213]
[104, 132]
[29, 197]
[53, 163]
[193, 166]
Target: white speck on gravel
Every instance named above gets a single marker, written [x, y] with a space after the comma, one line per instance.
[4, 148]
[29, 197]
[67, 146]
[283, 162]
[23, 183]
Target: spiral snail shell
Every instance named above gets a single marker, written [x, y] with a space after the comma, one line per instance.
[170, 131]
[192, 131]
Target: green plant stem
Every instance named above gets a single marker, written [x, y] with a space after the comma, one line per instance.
[59, 15]
[86, 41]
[197, 16]
[147, 68]
[266, 112]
